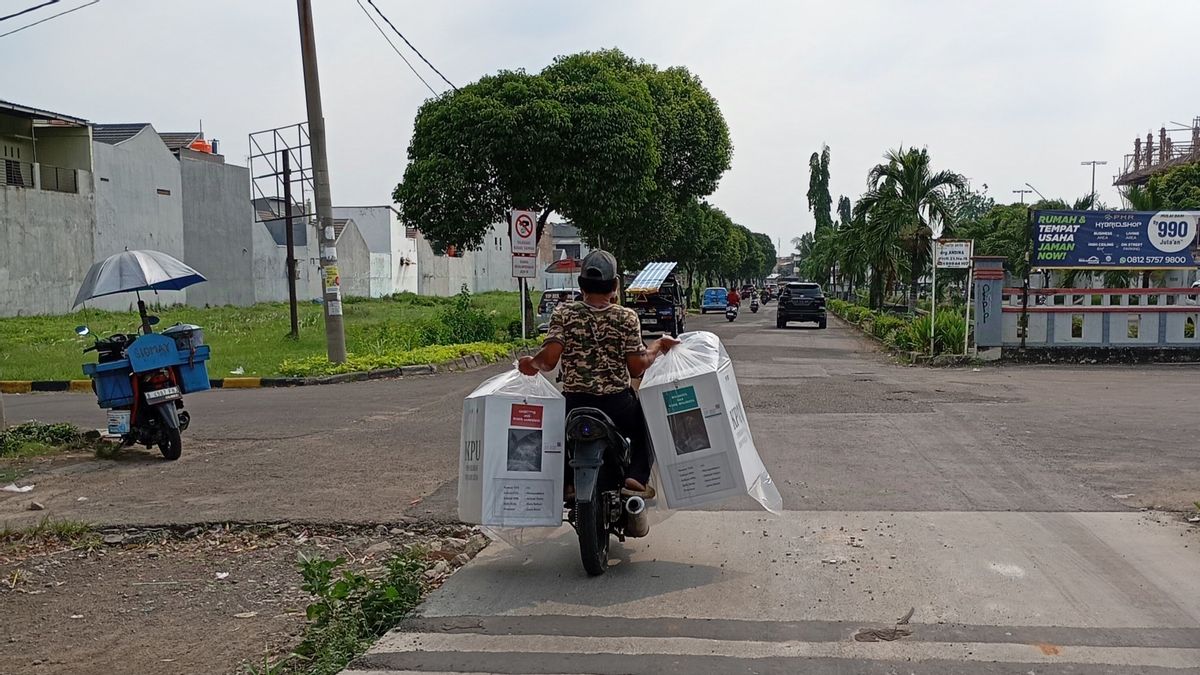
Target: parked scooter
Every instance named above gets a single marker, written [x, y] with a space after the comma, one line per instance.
[754, 305]
[731, 312]
[600, 458]
[141, 380]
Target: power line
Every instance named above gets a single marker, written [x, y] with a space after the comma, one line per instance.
[26, 11]
[395, 48]
[53, 16]
[410, 45]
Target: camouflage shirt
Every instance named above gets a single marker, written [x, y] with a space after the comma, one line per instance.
[595, 343]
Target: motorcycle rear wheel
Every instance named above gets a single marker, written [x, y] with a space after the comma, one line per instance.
[593, 534]
[171, 445]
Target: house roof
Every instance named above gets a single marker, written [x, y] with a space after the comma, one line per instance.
[38, 113]
[175, 140]
[339, 226]
[113, 134]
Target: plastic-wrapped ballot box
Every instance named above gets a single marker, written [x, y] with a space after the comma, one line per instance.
[702, 441]
[511, 458]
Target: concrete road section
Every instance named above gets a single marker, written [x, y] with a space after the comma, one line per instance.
[938, 521]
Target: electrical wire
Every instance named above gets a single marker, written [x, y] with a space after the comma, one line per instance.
[53, 16]
[26, 11]
[395, 48]
[410, 45]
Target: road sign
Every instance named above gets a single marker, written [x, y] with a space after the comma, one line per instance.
[524, 232]
[953, 253]
[524, 266]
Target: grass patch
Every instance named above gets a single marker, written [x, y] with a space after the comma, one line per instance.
[255, 338]
[349, 611]
[46, 528]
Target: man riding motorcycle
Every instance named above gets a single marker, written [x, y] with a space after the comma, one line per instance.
[599, 345]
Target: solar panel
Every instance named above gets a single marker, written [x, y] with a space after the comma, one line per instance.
[651, 278]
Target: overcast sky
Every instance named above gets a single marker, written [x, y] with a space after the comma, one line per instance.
[1005, 92]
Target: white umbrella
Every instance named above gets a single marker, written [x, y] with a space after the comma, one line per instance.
[130, 271]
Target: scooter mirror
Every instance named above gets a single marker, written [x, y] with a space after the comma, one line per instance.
[152, 320]
[82, 330]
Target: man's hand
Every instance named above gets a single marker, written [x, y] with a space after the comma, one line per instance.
[663, 344]
[525, 365]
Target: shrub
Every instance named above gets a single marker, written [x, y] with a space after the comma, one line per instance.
[350, 609]
[949, 333]
[460, 322]
[319, 365]
[884, 325]
[918, 333]
[35, 437]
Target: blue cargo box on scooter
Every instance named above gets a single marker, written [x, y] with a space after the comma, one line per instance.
[111, 382]
[193, 370]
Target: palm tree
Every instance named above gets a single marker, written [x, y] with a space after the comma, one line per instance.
[907, 200]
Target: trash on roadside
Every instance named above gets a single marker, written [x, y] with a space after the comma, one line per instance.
[222, 575]
[37, 506]
[12, 487]
[511, 456]
[238, 371]
[699, 429]
[245, 615]
[1194, 519]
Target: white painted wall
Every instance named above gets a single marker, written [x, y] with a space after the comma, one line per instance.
[131, 213]
[45, 247]
[384, 234]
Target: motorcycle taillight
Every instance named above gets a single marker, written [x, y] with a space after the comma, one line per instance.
[159, 379]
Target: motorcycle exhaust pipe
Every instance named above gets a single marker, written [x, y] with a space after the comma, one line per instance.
[636, 522]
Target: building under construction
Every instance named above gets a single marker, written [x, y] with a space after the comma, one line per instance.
[1174, 147]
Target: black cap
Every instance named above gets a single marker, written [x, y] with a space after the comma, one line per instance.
[599, 266]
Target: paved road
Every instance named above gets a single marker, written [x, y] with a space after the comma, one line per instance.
[1008, 498]
[996, 504]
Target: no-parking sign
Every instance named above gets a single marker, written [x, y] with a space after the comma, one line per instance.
[524, 232]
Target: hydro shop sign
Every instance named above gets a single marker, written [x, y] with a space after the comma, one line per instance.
[1114, 239]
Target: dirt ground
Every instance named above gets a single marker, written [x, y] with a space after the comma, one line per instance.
[212, 598]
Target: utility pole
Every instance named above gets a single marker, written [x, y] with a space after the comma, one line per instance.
[3, 424]
[291, 242]
[1022, 193]
[335, 336]
[1093, 162]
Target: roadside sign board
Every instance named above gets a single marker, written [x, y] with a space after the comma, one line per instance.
[524, 233]
[1114, 239]
[953, 253]
[524, 266]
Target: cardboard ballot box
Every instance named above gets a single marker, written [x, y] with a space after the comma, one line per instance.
[510, 467]
[702, 440]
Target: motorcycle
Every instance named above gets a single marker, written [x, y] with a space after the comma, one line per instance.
[731, 312]
[600, 456]
[141, 380]
[754, 305]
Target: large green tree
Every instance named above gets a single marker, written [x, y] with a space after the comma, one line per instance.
[616, 145]
[1177, 189]
[819, 201]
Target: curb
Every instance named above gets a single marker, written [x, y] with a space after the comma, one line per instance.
[462, 363]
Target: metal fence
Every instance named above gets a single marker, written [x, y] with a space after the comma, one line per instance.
[18, 173]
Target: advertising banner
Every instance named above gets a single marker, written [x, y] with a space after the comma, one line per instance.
[1114, 239]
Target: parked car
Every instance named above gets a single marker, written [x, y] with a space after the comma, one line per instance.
[551, 297]
[800, 301]
[714, 299]
[661, 311]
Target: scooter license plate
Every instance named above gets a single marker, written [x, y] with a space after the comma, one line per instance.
[118, 422]
[164, 394]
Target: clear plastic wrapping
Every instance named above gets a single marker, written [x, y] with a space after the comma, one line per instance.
[702, 441]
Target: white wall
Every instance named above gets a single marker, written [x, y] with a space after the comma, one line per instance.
[131, 213]
[384, 234]
[45, 247]
[217, 218]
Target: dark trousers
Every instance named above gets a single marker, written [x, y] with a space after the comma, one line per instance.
[626, 412]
